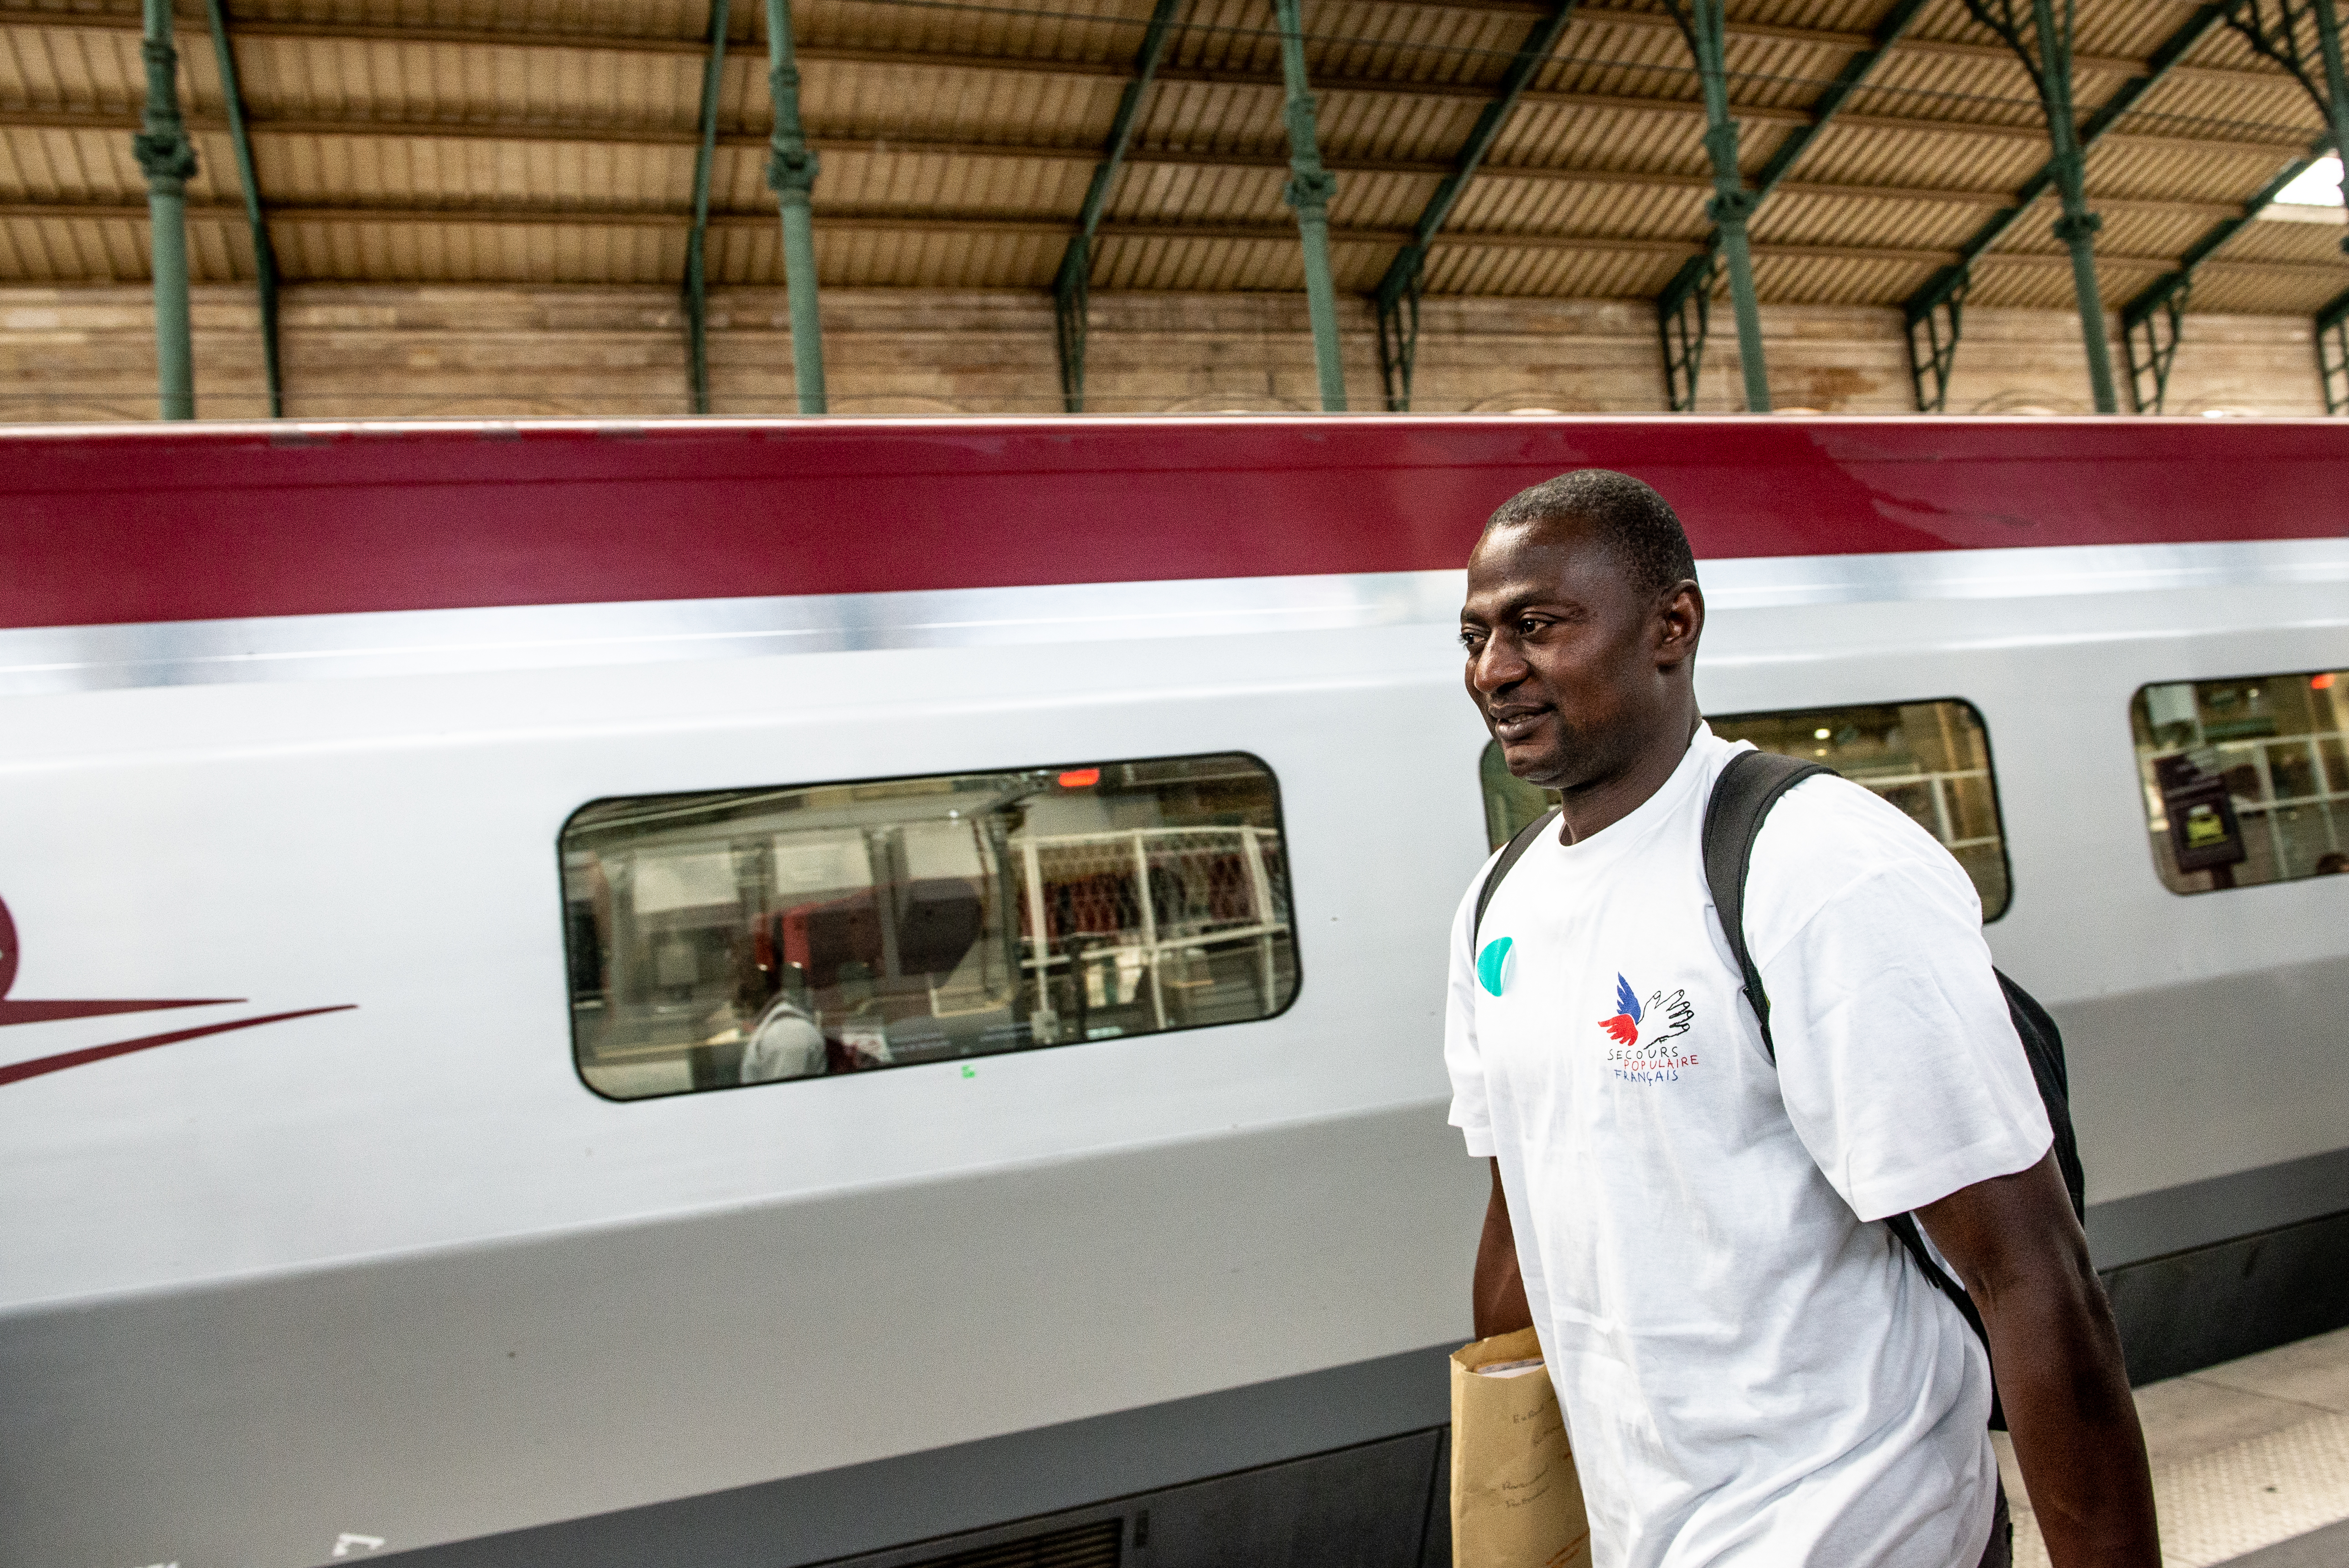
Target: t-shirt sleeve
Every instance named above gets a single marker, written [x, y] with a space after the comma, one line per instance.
[1899, 1064]
[1471, 1108]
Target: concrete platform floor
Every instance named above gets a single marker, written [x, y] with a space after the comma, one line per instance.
[2251, 1462]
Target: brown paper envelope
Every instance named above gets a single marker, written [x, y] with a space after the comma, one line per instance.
[1517, 1501]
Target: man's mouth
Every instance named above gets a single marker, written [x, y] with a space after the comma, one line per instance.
[1516, 723]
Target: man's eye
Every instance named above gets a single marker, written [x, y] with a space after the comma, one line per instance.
[1528, 628]
[1468, 640]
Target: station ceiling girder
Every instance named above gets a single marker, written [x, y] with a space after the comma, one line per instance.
[958, 143]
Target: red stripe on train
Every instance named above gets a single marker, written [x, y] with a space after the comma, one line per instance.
[157, 523]
[16, 1072]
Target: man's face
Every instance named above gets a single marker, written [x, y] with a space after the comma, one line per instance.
[1567, 661]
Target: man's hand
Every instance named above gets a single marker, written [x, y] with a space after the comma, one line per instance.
[2020, 1254]
[1499, 1289]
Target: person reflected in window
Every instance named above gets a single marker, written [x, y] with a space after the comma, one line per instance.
[2332, 863]
[785, 1043]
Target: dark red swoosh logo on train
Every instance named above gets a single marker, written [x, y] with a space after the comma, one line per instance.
[12, 1012]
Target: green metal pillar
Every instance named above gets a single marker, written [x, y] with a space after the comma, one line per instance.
[2077, 228]
[264, 254]
[697, 277]
[2045, 47]
[790, 175]
[1684, 308]
[169, 161]
[1732, 204]
[1310, 186]
[1938, 304]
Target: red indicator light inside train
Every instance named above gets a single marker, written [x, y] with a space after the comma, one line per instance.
[1080, 778]
[2321, 683]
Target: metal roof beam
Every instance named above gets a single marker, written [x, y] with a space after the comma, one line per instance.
[1758, 114]
[1397, 296]
[1854, 73]
[282, 215]
[1683, 309]
[2278, 36]
[1823, 39]
[2151, 297]
[1073, 284]
[265, 254]
[602, 136]
[2098, 125]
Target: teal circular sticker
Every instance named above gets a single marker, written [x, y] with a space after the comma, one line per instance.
[1493, 964]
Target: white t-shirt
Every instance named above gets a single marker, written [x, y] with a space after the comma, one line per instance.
[1751, 1371]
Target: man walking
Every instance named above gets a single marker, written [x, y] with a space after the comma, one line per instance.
[1753, 1370]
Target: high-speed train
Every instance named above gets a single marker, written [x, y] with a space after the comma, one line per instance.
[757, 994]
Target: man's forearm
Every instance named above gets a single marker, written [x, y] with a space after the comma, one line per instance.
[2068, 1408]
[2057, 1358]
[1498, 1295]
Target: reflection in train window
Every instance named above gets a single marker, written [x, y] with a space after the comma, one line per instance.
[1929, 759]
[745, 935]
[2245, 780]
[1509, 801]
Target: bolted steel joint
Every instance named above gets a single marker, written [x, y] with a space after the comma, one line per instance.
[162, 71]
[1310, 190]
[792, 171]
[165, 159]
[1731, 208]
[1407, 278]
[2072, 229]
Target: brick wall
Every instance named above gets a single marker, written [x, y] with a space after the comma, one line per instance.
[366, 351]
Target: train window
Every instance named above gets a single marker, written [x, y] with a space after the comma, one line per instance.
[745, 935]
[2245, 780]
[1929, 759]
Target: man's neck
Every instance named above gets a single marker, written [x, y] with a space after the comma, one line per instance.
[1595, 806]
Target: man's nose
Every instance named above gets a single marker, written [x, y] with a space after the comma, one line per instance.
[1497, 663]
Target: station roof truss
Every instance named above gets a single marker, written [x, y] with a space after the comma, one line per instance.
[556, 142]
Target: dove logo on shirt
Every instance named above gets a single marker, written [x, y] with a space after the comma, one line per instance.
[1644, 1032]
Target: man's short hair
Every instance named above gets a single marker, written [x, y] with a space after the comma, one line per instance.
[1637, 523]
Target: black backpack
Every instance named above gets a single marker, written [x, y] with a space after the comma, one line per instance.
[1748, 786]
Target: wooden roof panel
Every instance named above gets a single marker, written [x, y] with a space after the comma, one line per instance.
[553, 141]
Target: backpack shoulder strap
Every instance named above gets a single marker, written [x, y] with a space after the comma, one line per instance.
[1511, 853]
[1742, 797]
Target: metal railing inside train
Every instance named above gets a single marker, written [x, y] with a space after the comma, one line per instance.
[1113, 916]
[1945, 823]
[2317, 779]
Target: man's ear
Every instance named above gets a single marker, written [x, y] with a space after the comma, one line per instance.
[1680, 622]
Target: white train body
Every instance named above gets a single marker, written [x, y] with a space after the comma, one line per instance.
[393, 1277]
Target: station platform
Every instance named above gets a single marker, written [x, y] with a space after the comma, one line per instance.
[2251, 1462]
